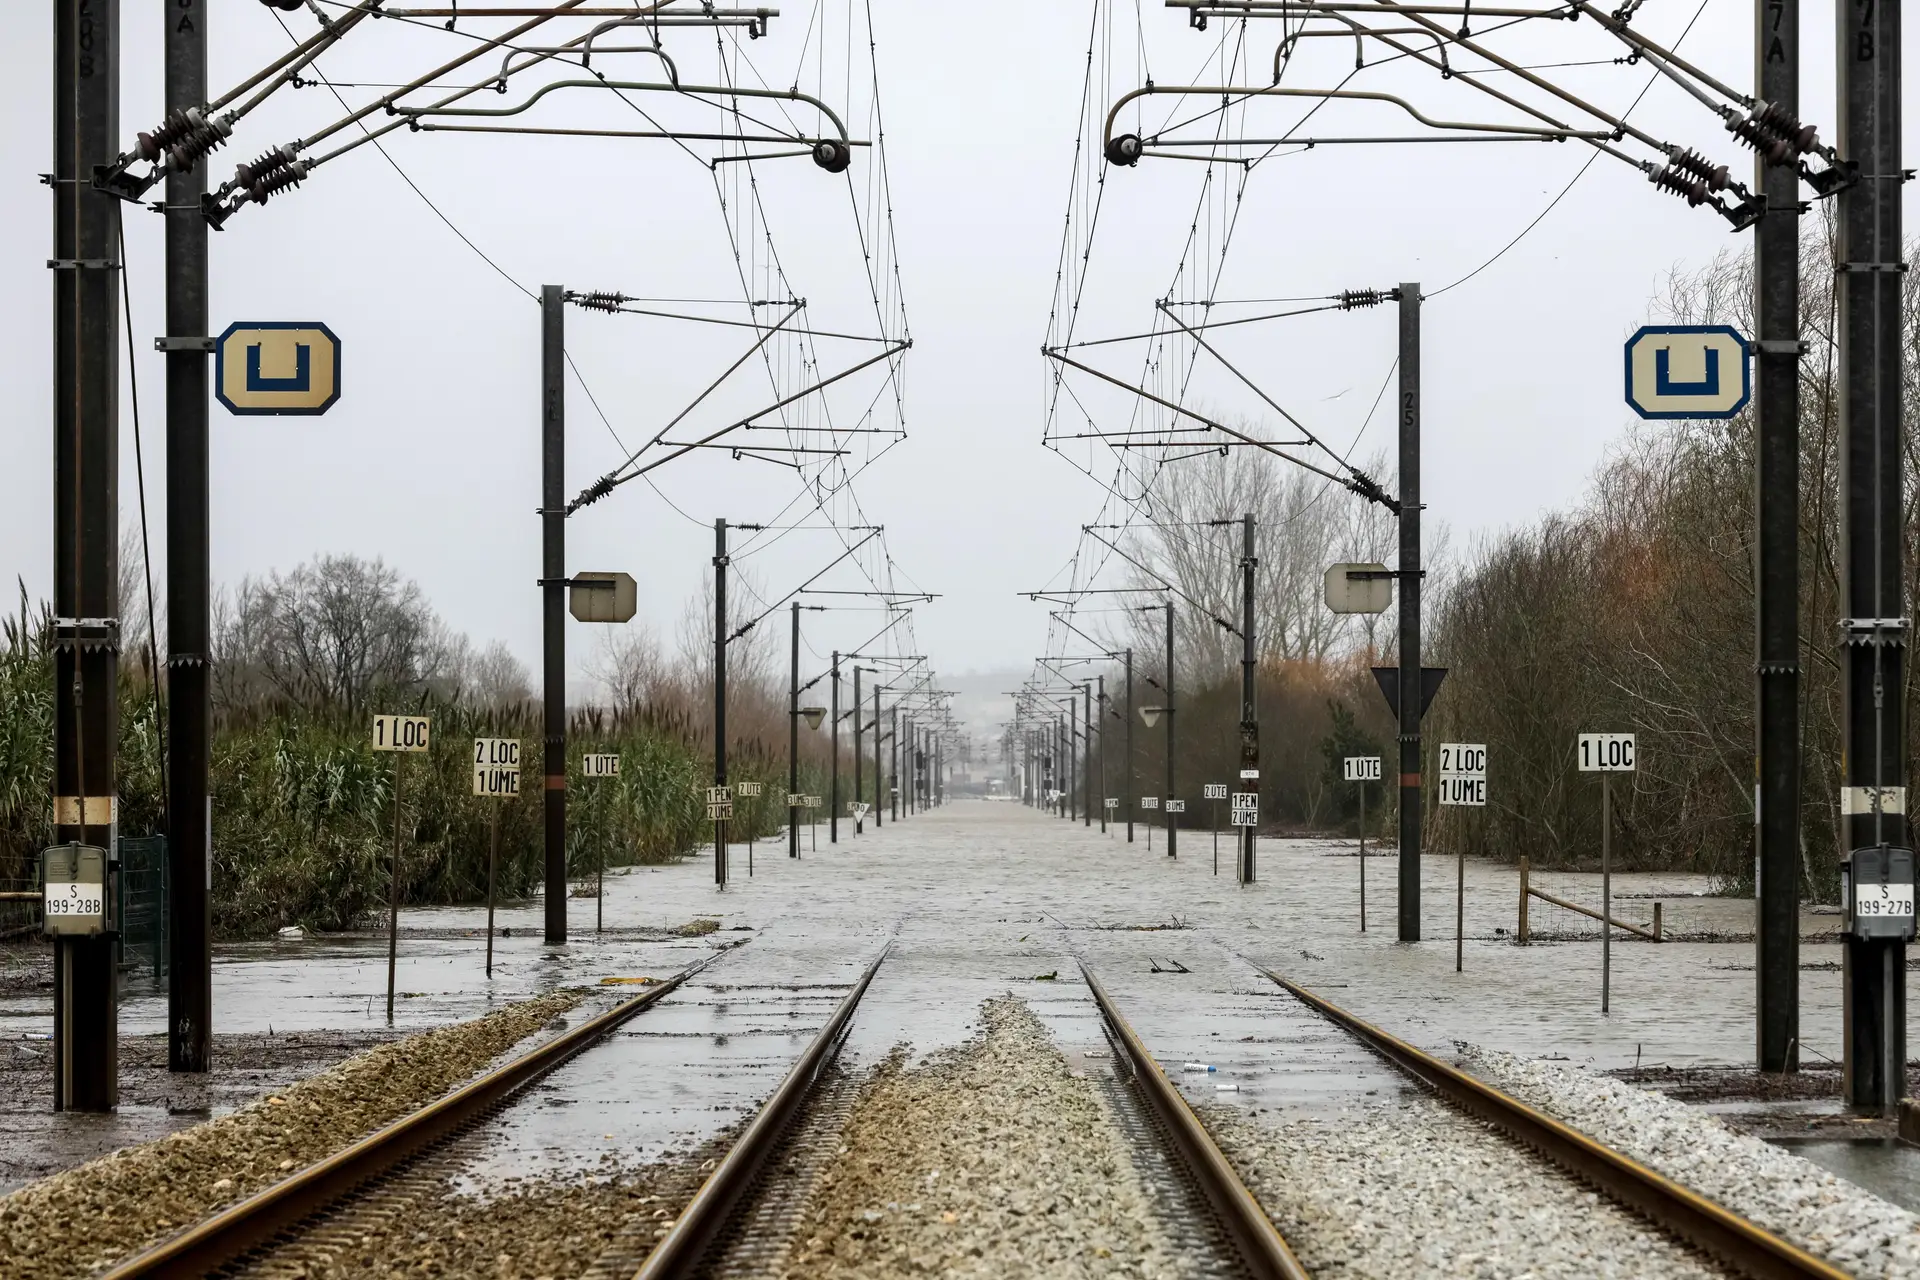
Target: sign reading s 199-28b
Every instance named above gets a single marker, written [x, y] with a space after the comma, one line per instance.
[277, 366]
[1687, 371]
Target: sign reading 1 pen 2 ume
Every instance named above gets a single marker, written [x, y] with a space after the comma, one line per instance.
[1246, 808]
[277, 367]
[1463, 773]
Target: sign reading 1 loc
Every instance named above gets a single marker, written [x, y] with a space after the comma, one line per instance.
[1606, 753]
[1463, 773]
[400, 733]
[1687, 371]
[1362, 769]
[277, 366]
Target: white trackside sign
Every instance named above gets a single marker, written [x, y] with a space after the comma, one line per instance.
[1687, 371]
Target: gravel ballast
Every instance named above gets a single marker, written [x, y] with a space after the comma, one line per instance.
[1817, 1210]
[78, 1221]
[988, 1160]
[1399, 1191]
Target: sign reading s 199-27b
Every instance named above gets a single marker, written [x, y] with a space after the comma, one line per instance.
[277, 366]
[1687, 371]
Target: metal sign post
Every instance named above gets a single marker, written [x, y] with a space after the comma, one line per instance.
[1245, 813]
[496, 773]
[1216, 792]
[600, 766]
[1463, 781]
[553, 626]
[1362, 769]
[403, 735]
[1606, 754]
[749, 791]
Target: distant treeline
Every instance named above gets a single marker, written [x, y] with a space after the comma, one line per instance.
[303, 807]
[1632, 612]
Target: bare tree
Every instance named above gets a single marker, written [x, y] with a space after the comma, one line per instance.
[335, 631]
[498, 679]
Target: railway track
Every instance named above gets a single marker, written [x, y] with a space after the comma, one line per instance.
[741, 1220]
[1743, 1246]
[252, 1229]
[742, 1217]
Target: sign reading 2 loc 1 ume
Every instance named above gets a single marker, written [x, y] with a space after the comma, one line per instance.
[277, 366]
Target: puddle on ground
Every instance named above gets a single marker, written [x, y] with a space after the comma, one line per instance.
[1888, 1168]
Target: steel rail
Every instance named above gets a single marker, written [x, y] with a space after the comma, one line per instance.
[253, 1222]
[726, 1187]
[1266, 1255]
[1743, 1245]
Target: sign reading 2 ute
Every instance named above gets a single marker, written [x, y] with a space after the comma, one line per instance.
[277, 366]
[1687, 371]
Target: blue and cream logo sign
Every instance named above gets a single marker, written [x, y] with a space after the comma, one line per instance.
[1687, 371]
[277, 366]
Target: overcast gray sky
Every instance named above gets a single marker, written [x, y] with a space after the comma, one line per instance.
[430, 458]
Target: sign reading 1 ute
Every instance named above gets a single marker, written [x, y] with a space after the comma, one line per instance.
[1463, 773]
[1362, 769]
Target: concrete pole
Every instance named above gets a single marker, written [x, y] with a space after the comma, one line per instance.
[1410, 679]
[86, 531]
[553, 603]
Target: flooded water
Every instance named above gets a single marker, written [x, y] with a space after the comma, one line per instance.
[981, 898]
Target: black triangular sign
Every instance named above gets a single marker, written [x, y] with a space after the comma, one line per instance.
[1389, 681]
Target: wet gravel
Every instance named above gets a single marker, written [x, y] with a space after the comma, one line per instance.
[1823, 1213]
[84, 1218]
[987, 1160]
[583, 1224]
[1398, 1191]
[246, 1068]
